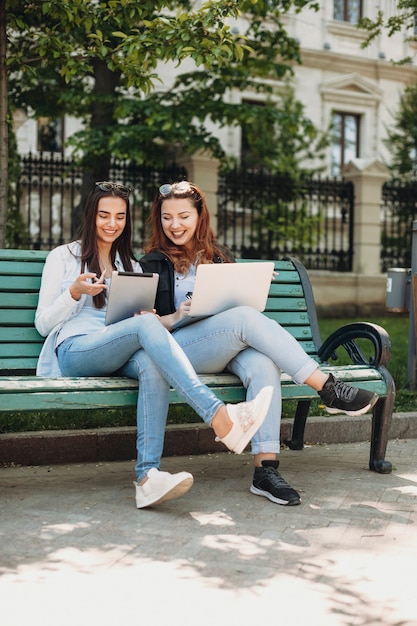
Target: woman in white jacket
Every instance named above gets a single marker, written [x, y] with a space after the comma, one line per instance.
[71, 314]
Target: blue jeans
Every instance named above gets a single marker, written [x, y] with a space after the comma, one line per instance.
[256, 349]
[140, 347]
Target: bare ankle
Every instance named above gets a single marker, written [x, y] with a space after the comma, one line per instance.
[221, 423]
[263, 456]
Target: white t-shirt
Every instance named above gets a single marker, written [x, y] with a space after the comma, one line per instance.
[183, 285]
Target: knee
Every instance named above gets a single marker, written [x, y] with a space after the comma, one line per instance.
[246, 318]
[255, 367]
[145, 369]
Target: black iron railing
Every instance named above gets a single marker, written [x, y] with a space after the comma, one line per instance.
[262, 215]
[49, 190]
[399, 210]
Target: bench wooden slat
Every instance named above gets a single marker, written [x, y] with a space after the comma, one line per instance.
[25, 283]
[18, 364]
[18, 301]
[39, 394]
[24, 256]
[20, 349]
[29, 268]
[286, 304]
[31, 384]
[16, 317]
[19, 334]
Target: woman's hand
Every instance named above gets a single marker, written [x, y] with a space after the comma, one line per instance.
[89, 284]
[183, 311]
[145, 312]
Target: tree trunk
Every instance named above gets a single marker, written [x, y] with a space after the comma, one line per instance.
[3, 126]
[97, 167]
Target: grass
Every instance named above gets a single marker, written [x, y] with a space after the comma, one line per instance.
[395, 325]
[397, 328]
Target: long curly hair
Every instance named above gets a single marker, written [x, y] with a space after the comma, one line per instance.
[87, 236]
[206, 246]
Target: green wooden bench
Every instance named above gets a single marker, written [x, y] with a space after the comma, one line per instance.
[290, 303]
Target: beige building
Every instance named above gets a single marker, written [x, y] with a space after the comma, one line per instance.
[340, 83]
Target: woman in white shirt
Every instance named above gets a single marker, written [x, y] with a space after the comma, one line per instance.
[71, 314]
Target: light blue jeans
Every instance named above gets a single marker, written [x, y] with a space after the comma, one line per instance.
[140, 347]
[256, 349]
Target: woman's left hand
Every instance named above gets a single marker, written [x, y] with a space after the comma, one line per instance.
[144, 313]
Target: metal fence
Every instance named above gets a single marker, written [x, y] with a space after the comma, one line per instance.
[49, 189]
[262, 215]
[399, 210]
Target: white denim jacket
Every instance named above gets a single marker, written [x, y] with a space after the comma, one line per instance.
[56, 305]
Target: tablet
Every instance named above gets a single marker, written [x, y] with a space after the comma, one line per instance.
[129, 293]
[221, 286]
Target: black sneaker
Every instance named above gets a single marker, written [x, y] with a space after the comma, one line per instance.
[342, 398]
[268, 482]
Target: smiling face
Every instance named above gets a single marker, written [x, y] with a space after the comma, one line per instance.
[179, 219]
[110, 219]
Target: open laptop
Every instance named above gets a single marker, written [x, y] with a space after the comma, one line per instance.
[221, 286]
[129, 293]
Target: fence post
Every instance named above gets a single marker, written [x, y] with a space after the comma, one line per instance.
[412, 331]
[368, 177]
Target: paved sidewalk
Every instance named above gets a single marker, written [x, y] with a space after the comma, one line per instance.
[75, 550]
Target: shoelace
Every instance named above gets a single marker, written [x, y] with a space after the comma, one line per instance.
[343, 391]
[275, 477]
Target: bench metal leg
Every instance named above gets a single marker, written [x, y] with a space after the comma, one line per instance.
[297, 437]
[381, 422]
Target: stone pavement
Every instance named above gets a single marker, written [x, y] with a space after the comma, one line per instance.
[75, 550]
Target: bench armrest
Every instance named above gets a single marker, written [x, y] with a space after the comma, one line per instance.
[346, 337]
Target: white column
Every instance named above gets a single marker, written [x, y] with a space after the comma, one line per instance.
[368, 177]
[203, 171]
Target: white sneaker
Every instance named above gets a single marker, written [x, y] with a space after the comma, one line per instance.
[162, 486]
[247, 418]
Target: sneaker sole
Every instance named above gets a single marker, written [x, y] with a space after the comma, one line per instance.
[263, 410]
[176, 491]
[266, 494]
[364, 409]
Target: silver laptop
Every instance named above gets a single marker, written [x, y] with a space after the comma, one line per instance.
[221, 286]
[129, 293]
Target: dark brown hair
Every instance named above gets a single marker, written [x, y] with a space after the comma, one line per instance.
[206, 246]
[87, 235]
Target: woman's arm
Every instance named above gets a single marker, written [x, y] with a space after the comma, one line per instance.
[56, 304]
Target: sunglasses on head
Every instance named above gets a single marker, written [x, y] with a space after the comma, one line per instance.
[105, 185]
[182, 187]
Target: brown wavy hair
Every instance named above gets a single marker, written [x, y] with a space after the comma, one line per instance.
[87, 236]
[206, 246]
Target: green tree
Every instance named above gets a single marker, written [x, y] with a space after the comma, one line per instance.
[4, 157]
[402, 137]
[99, 60]
[403, 20]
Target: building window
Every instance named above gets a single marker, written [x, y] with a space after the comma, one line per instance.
[50, 134]
[347, 10]
[345, 140]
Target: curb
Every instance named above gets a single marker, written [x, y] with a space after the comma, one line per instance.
[118, 444]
